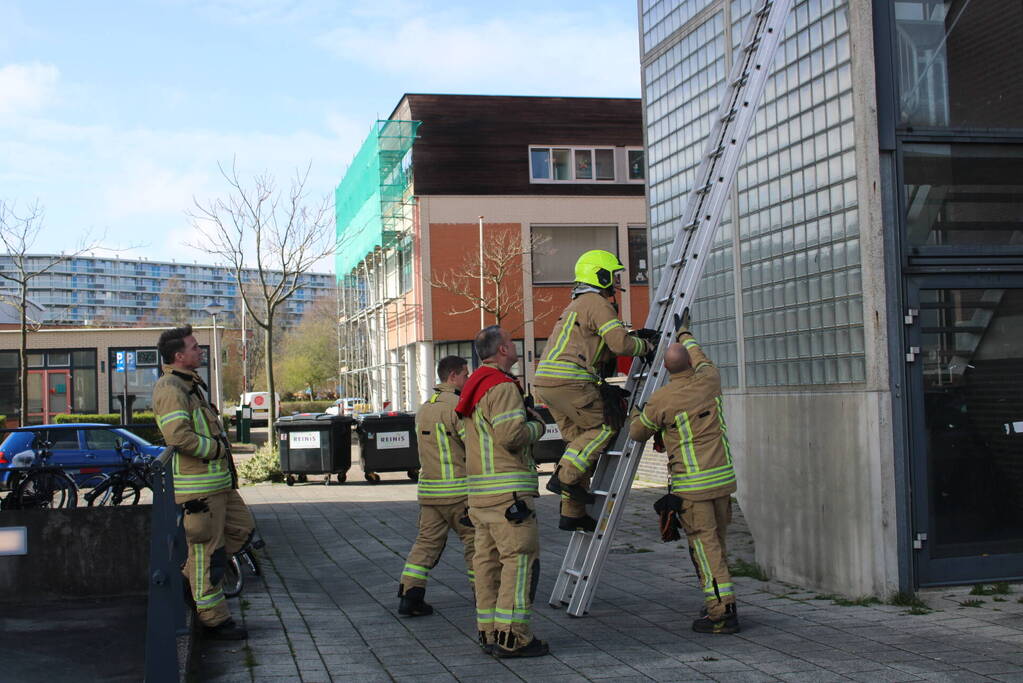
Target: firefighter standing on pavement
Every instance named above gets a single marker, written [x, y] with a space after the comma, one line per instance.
[443, 488]
[568, 380]
[688, 416]
[216, 520]
[499, 434]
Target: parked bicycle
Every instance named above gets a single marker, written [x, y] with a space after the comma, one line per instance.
[123, 486]
[241, 562]
[34, 484]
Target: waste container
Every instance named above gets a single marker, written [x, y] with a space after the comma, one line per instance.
[550, 447]
[242, 424]
[315, 443]
[388, 444]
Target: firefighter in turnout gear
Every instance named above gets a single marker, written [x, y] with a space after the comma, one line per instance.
[569, 380]
[499, 433]
[688, 416]
[217, 522]
[443, 488]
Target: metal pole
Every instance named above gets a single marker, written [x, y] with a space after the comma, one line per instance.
[245, 351]
[481, 274]
[215, 380]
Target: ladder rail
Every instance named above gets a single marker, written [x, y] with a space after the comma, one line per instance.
[587, 553]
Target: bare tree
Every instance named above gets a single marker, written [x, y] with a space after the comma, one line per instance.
[503, 267]
[18, 233]
[269, 239]
[173, 304]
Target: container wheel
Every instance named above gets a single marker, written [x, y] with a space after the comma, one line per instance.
[289, 480]
[326, 479]
[413, 475]
[342, 477]
[302, 479]
[372, 477]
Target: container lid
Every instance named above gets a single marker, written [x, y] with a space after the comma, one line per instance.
[317, 419]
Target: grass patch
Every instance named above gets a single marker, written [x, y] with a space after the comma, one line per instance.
[907, 600]
[824, 596]
[1020, 600]
[250, 659]
[864, 601]
[999, 599]
[245, 604]
[710, 659]
[1000, 588]
[750, 569]
[971, 603]
[918, 610]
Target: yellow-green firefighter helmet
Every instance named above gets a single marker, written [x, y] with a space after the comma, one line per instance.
[597, 267]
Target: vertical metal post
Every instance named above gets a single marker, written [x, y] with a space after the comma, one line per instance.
[215, 379]
[482, 324]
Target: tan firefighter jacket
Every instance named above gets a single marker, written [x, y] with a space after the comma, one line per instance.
[441, 450]
[688, 413]
[498, 448]
[201, 463]
[582, 340]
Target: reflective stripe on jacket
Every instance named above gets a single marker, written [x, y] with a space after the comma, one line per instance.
[441, 449]
[188, 422]
[689, 414]
[585, 336]
[498, 446]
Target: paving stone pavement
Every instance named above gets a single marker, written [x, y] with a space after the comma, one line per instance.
[328, 610]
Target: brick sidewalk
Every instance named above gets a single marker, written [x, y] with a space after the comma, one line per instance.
[327, 611]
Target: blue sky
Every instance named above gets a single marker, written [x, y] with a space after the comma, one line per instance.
[114, 114]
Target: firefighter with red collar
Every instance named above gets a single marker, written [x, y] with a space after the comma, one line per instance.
[499, 433]
[217, 522]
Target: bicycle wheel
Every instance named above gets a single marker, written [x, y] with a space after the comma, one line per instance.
[233, 577]
[99, 490]
[47, 489]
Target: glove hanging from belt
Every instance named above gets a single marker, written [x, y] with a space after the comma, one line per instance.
[669, 511]
[616, 408]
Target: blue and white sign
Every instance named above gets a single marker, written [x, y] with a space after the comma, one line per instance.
[119, 361]
[129, 357]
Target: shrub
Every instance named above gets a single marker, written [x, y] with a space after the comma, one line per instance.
[264, 465]
[150, 432]
[289, 407]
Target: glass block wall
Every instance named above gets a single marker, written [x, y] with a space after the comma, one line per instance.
[798, 230]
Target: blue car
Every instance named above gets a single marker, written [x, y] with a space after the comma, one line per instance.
[83, 450]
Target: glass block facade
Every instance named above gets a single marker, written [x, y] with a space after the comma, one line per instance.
[795, 196]
[90, 290]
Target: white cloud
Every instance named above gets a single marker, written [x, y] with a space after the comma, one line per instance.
[26, 88]
[561, 53]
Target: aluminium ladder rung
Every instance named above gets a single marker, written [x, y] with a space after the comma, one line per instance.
[587, 552]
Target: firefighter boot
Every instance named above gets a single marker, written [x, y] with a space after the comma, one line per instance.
[584, 523]
[729, 623]
[507, 647]
[412, 603]
[488, 641]
[576, 492]
[226, 630]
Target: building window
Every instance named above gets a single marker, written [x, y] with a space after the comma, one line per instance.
[637, 164]
[579, 164]
[554, 263]
[463, 349]
[639, 261]
[140, 381]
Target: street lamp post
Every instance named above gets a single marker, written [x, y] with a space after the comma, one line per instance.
[215, 309]
[481, 273]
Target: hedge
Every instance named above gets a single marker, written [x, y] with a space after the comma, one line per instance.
[151, 434]
[291, 407]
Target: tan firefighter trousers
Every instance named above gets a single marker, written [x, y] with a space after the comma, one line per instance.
[507, 570]
[579, 412]
[706, 523]
[212, 537]
[434, 522]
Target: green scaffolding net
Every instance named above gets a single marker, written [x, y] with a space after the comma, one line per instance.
[372, 204]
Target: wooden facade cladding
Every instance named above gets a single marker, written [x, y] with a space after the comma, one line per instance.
[479, 145]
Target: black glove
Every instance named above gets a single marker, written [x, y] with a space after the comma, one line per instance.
[669, 510]
[647, 334]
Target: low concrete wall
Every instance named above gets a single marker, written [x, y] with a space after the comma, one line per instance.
[81, 552]
[816, 485]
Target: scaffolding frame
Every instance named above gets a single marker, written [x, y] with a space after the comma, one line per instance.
[375, 218]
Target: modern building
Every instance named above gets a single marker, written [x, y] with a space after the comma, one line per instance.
[74, 370]
[865, 295]
[86, 290]
[533, 181]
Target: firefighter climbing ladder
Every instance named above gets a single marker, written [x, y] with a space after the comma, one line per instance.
[616, 469]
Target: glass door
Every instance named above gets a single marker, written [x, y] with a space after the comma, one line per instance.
[965, 366]
[48, 395]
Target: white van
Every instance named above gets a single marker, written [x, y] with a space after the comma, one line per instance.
[259, 401]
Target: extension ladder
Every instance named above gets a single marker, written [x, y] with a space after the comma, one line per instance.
[616, 468]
